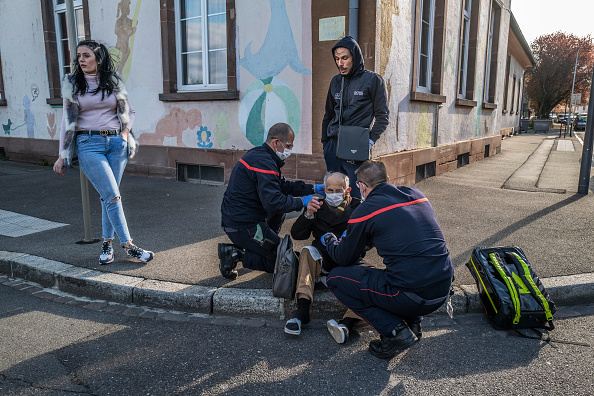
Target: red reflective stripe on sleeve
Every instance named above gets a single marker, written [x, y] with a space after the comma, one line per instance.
[360, 219]
[258, 169]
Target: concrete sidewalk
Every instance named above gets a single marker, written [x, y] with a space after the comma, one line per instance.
[524, 196]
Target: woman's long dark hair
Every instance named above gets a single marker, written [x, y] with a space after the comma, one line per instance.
[105, 71]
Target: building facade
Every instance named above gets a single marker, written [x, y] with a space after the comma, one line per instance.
[208, 78]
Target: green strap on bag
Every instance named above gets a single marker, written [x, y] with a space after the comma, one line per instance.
[525, 273]
[497, 263]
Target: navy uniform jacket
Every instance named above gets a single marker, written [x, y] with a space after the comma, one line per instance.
[364, 98]
[401, 224]
[257, 189]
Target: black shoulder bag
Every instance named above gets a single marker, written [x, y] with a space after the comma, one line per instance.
[353, 141]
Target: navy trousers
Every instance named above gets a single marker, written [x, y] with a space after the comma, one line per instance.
[259, 242]
[334, 164]
[365, 291]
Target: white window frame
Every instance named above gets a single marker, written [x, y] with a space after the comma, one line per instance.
[63, 36]
[429, 60]
[464, 53]
[489, 51]
[205, 86]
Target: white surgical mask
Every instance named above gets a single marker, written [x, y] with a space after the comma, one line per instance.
[285, 154]
[334, 199]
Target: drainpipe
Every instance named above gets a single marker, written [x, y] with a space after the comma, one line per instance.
[354, 19]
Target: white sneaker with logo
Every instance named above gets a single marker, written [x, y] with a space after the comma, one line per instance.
[140, 254]
[106, 256]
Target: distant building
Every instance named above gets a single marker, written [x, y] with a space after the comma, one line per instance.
[207, 78]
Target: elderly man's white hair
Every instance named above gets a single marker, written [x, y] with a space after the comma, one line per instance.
[344, 177]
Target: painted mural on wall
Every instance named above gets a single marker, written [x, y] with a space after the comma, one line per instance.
[269, 99]
[397, 80]
[222, 129]
[51, 124]
[125, 31]
[177, 127]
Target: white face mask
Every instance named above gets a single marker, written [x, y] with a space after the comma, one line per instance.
[334, 199]
[285, 154]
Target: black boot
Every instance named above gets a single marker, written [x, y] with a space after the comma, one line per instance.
[388, 347]
[415, 327]
[229, 256]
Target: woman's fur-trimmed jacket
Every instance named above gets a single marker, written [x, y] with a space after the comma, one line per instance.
[70, 113]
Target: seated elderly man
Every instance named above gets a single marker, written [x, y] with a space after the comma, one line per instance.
[320, 217]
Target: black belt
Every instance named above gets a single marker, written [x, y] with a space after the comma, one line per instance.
[102, 132]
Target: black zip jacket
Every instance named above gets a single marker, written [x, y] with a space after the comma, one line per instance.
[257, 189]
[401, 224]
[325, 220]
[364, 98]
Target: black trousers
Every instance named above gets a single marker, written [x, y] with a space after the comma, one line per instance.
[259, 242]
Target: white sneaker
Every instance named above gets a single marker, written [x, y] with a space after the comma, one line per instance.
[339, 332]
[140, 254]
[106, 256]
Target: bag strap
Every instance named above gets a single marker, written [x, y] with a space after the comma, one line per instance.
[522, 267]
[340, 114]
[498, 264]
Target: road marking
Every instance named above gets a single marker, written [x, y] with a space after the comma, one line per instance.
[565, 145]
[16, 225]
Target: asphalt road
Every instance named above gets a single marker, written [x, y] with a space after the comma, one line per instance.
[50, 348]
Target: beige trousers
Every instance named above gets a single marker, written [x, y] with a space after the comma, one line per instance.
[309, 270]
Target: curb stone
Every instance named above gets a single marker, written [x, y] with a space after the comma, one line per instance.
[80, 281]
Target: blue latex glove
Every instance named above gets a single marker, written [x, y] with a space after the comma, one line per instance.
[371, 143]
[343, 234]
[327, 237]
[306, 200]
[319, 189]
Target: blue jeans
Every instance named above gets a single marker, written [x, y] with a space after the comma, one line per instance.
[334, 164]
[103, 159]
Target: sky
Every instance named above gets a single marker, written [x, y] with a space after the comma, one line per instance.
[538, 17]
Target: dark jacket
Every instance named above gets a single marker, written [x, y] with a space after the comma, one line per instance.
[401, 224]
[325, 220]
[364, 98]
[257, 189]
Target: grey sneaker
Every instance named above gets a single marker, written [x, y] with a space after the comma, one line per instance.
[106, 256]
[140, 254]
[339, 332]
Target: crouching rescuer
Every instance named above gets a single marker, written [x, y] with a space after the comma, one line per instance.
[401, 224]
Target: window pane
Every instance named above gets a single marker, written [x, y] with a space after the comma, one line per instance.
[216, 6]
[80, 24]
[192, 68]
[425, 12]
[423, 71]
[217, 37]
[190, 8]
[217, 67]
[63, 28]
[425, 39]
[66, 53]
[60, 2]
[191, 35]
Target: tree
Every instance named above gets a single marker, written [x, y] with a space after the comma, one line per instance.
[550, 82]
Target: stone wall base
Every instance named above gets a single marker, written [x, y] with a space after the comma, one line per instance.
[404, 168]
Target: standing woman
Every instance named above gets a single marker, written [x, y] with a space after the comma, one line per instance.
[97, 120]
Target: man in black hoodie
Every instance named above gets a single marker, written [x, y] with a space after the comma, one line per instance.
[364, 102]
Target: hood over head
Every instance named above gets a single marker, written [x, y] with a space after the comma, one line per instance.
[350, 43]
